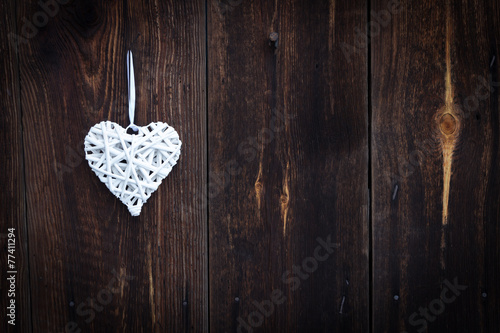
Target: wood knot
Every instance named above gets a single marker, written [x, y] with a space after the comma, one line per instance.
[284, 200]
[448, 124]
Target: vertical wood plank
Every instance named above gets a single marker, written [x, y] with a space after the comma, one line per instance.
[435, 167]
[13, 286]
[288, 165]
[94, 267]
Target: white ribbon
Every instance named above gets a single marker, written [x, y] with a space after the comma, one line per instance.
[131, 90]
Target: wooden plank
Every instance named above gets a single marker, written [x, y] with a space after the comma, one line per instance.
[288, 165]
[436, 168]
[94, 267]
[14, 287]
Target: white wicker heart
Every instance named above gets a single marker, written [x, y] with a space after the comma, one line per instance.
[132, 165]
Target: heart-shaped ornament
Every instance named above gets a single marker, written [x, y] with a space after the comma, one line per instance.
[132, 165]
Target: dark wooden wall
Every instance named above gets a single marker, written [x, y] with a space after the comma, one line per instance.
[340, 167]
[435, 138]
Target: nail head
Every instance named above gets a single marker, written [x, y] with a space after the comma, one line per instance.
[273, 36]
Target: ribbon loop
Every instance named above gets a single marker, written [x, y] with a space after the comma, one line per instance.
[131, 89]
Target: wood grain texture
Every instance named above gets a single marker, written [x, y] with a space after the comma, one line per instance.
[93, 266]
[288, 163]
[277, 166]
[12, 199]
[436, 171]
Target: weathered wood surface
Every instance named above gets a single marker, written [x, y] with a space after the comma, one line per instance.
[12, 184]
[281, 150]
[288, 164]
[93, 267]
[436, 171]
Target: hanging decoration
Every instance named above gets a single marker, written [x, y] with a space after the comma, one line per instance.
[132, 161]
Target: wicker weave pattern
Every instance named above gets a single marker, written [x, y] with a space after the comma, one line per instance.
[132, 165]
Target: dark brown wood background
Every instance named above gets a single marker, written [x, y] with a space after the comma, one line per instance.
[370, 125]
